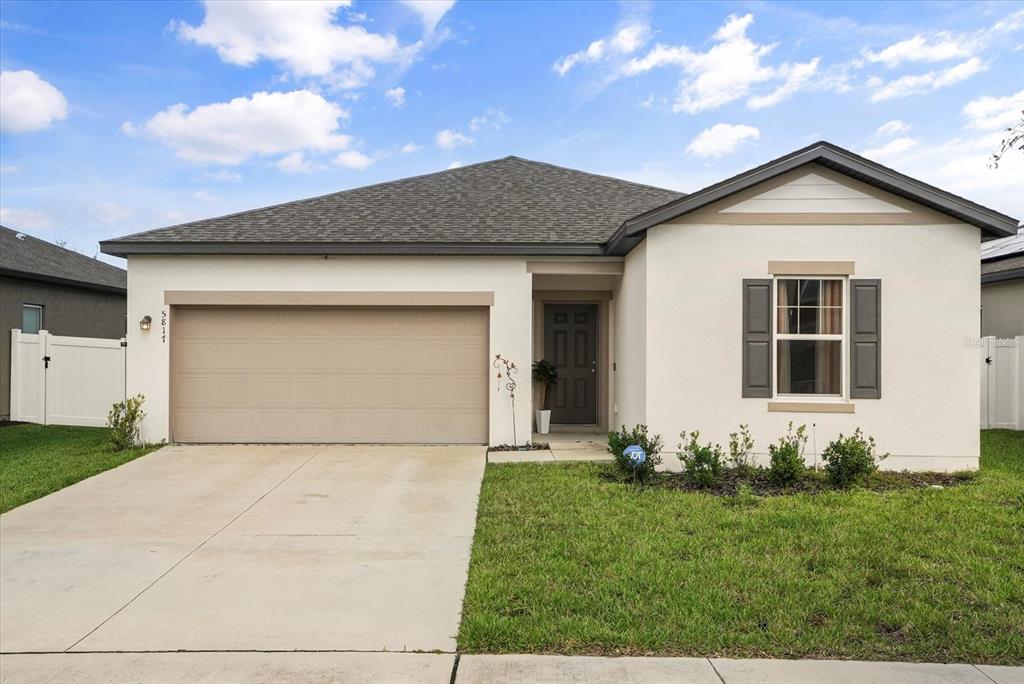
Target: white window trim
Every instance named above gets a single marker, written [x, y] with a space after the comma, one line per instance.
[844, 372]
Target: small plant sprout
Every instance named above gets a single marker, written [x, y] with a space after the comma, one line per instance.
[507, 373]
[741, 448]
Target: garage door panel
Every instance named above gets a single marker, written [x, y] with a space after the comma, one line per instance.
[330, 374]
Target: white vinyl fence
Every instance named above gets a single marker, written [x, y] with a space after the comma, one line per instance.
[1002, 383]
[58, 380]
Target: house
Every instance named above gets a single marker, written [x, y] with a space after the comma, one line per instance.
[374, 314]
[1002, 287]
[46, 287]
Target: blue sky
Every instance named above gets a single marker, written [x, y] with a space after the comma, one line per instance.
[119, 117]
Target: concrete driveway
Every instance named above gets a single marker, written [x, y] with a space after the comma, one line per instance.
[263, 548]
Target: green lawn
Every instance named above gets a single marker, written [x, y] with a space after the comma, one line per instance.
[36, 460]
[565, 562]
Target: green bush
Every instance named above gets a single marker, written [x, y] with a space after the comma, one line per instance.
[651, 444]
[849, 460]
[741, 449]
[702, 464]
[123, 420]
[787, 457]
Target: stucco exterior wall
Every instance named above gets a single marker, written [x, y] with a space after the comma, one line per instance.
[150, 276]
[927, 415]
[1002, 309]
[630, 305]
[66, 311]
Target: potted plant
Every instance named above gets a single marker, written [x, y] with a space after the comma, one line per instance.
[546, 374]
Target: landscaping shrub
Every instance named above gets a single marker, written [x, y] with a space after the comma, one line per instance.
[849, 460]
[741, 448]
[787, 457]
[651, 444]
[123, 420]
[703, 464]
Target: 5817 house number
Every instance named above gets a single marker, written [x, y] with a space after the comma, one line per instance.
[163, 327]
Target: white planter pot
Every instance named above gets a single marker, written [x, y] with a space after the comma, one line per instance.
[543, 422]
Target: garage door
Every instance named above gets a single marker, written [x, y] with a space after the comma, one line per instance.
[329, 374]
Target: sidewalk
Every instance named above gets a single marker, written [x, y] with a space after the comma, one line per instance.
[443, 668]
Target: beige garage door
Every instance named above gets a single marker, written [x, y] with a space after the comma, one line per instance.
[329, 374]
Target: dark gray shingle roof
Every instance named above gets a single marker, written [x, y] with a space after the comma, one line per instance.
[1008, 263]
[31, 257]
[506, 201]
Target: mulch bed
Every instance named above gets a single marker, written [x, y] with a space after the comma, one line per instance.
[529, 446]
[811, 483]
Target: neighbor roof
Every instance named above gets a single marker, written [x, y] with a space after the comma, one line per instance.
[24, 256]
[509, 205]
[1003, 259]
[991, 222]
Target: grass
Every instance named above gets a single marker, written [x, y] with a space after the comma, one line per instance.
[567, 562]
[36, 460]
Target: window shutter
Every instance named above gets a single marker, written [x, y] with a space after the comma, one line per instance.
[865, 339]
[757, 337]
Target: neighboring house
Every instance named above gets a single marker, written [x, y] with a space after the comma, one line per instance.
[46, 287]
[820, 288]
[1002, 287]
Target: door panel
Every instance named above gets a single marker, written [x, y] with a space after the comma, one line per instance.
[575, 396]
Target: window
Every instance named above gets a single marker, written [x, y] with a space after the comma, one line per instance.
[31, 318]
[809, 336]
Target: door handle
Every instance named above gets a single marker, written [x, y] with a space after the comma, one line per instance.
[593, 367]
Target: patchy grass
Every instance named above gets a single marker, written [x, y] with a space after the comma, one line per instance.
[567, 562]
[36, 460]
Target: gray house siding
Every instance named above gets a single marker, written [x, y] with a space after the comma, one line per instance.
[1002, 308]
[67, 310]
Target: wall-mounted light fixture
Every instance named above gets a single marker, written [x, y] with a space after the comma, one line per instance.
[145, 323]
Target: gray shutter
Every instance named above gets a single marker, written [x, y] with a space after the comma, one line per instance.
[757, 337]
[865, 339]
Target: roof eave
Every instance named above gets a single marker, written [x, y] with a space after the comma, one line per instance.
[68, 282]
[989, 221]
[1000, 276]
[126, 248]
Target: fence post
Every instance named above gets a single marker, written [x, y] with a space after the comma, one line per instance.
[1019, 389]
[43, 351]
[15, 395]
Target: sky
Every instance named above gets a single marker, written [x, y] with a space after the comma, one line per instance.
[122, 117]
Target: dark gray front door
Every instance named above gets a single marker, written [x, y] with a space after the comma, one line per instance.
[570, 342]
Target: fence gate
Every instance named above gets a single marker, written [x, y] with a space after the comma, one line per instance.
[58, 380]
[1002, 383]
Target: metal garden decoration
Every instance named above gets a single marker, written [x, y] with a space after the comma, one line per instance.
[507, 381]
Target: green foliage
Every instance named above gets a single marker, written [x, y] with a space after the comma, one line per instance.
[741, 448]
[651, 444]
[703, 464]
[787, 457]
[744, 497]
[849, 460]
[123, 420]
[545, 373]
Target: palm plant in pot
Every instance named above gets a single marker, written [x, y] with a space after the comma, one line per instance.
[546, 375]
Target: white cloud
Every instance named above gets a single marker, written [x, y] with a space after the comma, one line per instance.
[411, 148]
[25, 219]
[396, 96]
[493, 118]
[205, 195]
[721, 139]
[28, 103]
[988, 113]
[929, 81]
[222, 176]
[300, 35]
[295, 162]
[890, 128]
[941, 47]
[430, 11]
[625, 41]
[726, 72]
[891, 149]
[110, 212]
[455, 165]
[353, 159]
[448, 139]
[264, 124]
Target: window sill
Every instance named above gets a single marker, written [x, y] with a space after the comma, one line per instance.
[810, 407]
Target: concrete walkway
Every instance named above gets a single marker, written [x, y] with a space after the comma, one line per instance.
[416, 668]
[572, 446]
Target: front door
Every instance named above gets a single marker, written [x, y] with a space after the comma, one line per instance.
[570, 342]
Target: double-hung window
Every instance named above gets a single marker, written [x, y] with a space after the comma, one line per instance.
[808, 345]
